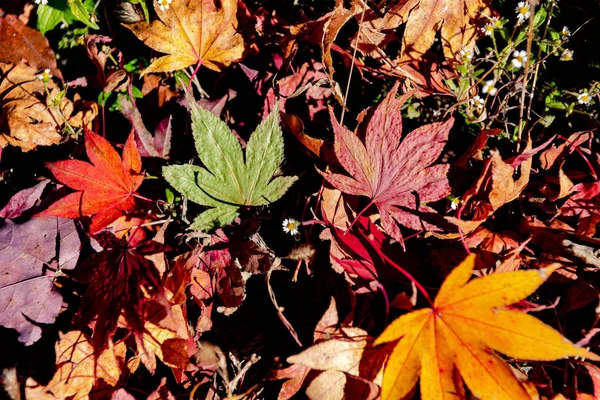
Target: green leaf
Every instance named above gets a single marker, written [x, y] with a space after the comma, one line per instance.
[214, 218]
[48, 17]
[227, 180]
[81, 13]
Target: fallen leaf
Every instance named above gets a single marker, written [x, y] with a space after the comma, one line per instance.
[23, 201]
[165, 344]
[308, 81]
[555, 154]
[231, 178]
[108, 76]
[161, 392]
[584, 203]
[20, 42]
[105, 187]
[193, 32]
[78, 369]
[121, 394]
[468, 321]
[398, 177]
[121, 281]
[495, 187]
[329, 385]
[455, 20]
[29, 115]
[28, 298]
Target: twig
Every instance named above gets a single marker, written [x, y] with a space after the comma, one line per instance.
[533, 4]
[279, 309]
[362, 16]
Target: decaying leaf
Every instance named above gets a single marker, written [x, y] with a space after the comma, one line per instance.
[23, 201]
[78, 369]
[28, 297]
[469, 320]
[30, 109]
[193, 32]
[495, 187]
[455, 20]
[105, 187]
[20, 42]
[398, 177]
[231, 178]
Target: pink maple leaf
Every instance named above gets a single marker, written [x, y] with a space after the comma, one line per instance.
[398, 176]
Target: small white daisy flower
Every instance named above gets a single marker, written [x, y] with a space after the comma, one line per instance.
[489, 87]
[290, 225]
[565, 33]
[523, 11]
[519, 58]
[45, 76]
[488, 29]
[567, 55]
[466, 54]
[584, 98]
[454, 203]
[43, 2]
[477, 102]
[164, 4]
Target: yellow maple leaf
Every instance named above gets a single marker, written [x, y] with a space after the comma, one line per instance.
[467, 323]
[193, 32]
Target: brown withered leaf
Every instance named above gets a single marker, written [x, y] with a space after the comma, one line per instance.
[193, 32]
[27, 116]
[78, 370]
[495, 187]
[168, 345]
[455, 19]
[20, 42]
[555, 154]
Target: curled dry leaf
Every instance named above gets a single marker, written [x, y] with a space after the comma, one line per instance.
[193, 32]
[495, 187]
[456, 20]
[29, 116]
[20, 42]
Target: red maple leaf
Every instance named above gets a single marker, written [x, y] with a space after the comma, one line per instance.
[122, 281]
[105, 187]
[397, 176]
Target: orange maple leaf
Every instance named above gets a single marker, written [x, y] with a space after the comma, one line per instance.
[77, 369]
[105, 188]
[193, 32]
[467, 323]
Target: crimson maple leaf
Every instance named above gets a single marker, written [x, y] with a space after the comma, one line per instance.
[399, 178]
[122, 281]
[106, 187]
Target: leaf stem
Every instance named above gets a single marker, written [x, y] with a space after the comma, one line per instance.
[142, 197]
[194, 74]
[399, 268]
[359, 215]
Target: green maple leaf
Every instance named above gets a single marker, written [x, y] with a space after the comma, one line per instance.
[229, 182]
